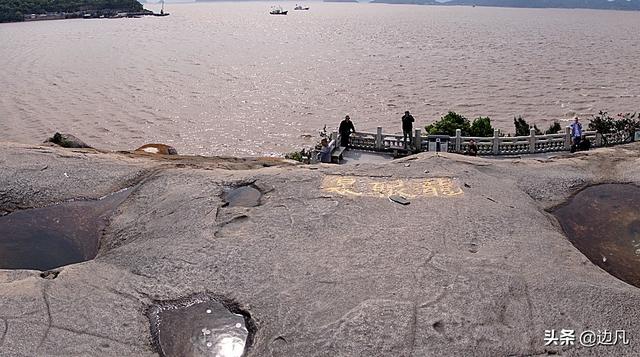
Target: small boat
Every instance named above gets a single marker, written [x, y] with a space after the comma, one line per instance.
[300, 7]
[277, 10]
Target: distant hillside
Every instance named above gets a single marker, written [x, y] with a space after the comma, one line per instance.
[14, 10]
[415, 2]
[568, 4]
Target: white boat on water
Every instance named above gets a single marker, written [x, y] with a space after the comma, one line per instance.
[300, 7]
[277, 10]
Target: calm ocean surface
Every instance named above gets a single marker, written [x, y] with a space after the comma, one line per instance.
[228, 78]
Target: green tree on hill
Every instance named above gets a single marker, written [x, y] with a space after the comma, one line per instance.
[13, 10]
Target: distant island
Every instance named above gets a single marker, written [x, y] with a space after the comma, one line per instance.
[566, 4]
[25, 10]
[409, 2]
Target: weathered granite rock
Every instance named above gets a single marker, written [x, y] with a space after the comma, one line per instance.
[326, 265]
[67, 141]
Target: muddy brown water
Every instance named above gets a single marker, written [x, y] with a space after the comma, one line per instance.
[603, 222]
[199, 329]
[222, 78]
[54, 236]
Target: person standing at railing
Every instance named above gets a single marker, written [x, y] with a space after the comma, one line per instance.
[576, 134]
[345, 130]
[407, 128]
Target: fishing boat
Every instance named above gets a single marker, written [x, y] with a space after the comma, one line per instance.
[300, 7]
[277, 10]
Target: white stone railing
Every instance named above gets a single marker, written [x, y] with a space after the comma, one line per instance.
[495, 145]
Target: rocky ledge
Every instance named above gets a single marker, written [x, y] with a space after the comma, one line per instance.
[316, 260]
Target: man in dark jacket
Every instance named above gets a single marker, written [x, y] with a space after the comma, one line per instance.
[407, 127]
[345, 130]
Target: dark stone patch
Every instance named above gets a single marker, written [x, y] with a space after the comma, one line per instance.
[438, 326]
[67, 141]
[50, 274]
[243, 196]
[603, 222]
[51, 237]
[201, 325]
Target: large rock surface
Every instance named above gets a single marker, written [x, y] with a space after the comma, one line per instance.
[479, 273]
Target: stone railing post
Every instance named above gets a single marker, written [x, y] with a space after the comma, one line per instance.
[598, 142]
[496, 142]
[636, 136]
[458, 141]
[379, 138]
[417, 140]
[532, 141]
[567, 138]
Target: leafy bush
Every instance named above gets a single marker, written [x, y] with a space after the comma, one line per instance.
[448, 124]
[627, 122]
[481, 126]
[602, 123]
[303, 155]
[523, 128]
[554, 128]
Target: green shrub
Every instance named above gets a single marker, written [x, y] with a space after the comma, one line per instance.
[481, 126]
[448, 124]
[602, 123]
[627, 122]
[554, 128]
[303, 155]
[523, 128]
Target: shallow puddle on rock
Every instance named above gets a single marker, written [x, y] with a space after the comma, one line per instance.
[243, 196]
[202, 329]
[603, 222]
[50, 237]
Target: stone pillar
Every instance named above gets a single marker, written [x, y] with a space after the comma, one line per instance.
[598, 142]
[496, 141]
[567, 138]
[458, 141]
[379, 139]
[417, 140]
[532, 141]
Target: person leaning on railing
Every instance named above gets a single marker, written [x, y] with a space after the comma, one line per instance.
[576, 134]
